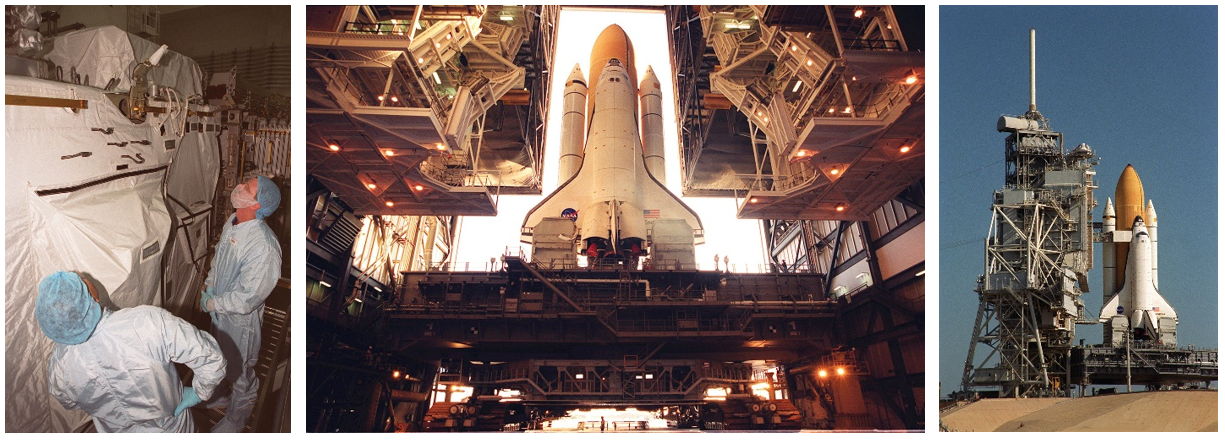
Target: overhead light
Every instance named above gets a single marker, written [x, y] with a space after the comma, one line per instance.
[822, 373]
[801, 153]
[767, 120]
[507, 17]
[440, 147]
[831, 109]
[841, 207]
[448, 36]
[904, 149]
[579, 376]
[333, 145]
[395, 99]
[390, 204]
[809, 62]
[393, 21]
[858, 12]
[420, 60]
[377, 289]
[650, 376]
[436, 78]
[357, 300]
[730, 25]
[753, 200]
[911, 79]
[854, 78]
[418, 187]
[921, 273]
[389, 152]
[847, 109]
[396, 374]
[888, 26]
[381, 98]
[325, 284]
[437, 45]
[370, 185]
[794, 47]
[638, 377]
[834, 171]
[841, 371]
[797, 86]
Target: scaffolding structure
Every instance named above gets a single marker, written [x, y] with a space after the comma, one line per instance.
[1037, 256]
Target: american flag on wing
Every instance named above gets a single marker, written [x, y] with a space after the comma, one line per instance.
[650, 213]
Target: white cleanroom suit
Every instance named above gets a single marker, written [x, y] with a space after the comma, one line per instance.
[124, 375]
[246, 266]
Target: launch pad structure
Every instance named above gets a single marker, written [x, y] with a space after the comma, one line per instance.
[1036, 258]
[1038, 254]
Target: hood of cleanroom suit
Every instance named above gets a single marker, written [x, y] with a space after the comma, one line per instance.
[74, 203]
[124, 374]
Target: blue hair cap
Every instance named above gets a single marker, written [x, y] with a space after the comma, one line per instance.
[65, 311]
[268, 196]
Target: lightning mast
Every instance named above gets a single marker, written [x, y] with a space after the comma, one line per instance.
[1037, 255]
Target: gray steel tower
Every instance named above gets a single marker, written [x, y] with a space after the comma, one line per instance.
[1037, 256]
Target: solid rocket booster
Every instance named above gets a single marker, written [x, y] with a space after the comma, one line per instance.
[611, 203]
[1151, 221]
[1108, 262]
[574, 125]
[651, 103]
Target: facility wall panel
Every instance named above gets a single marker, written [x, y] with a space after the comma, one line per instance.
[902, 253]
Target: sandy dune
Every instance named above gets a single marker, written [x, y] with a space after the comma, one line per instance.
[1149, 411]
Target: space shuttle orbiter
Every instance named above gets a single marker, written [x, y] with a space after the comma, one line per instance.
[611, 205]
[1131, 260]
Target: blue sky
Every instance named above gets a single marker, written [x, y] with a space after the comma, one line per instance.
[1138, 84]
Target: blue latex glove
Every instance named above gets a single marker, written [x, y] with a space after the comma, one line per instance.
[206, 295]
[206, 302]
[190, 399]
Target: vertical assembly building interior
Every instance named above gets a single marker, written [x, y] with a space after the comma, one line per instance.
[811, 118]
[121, 171]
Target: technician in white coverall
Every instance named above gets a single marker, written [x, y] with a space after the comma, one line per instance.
[246, 266]
[119, 366]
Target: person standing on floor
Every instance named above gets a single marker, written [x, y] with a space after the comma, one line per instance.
[246, 266]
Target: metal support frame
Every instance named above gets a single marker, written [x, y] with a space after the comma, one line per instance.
[1036, 256]
[644, 382]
